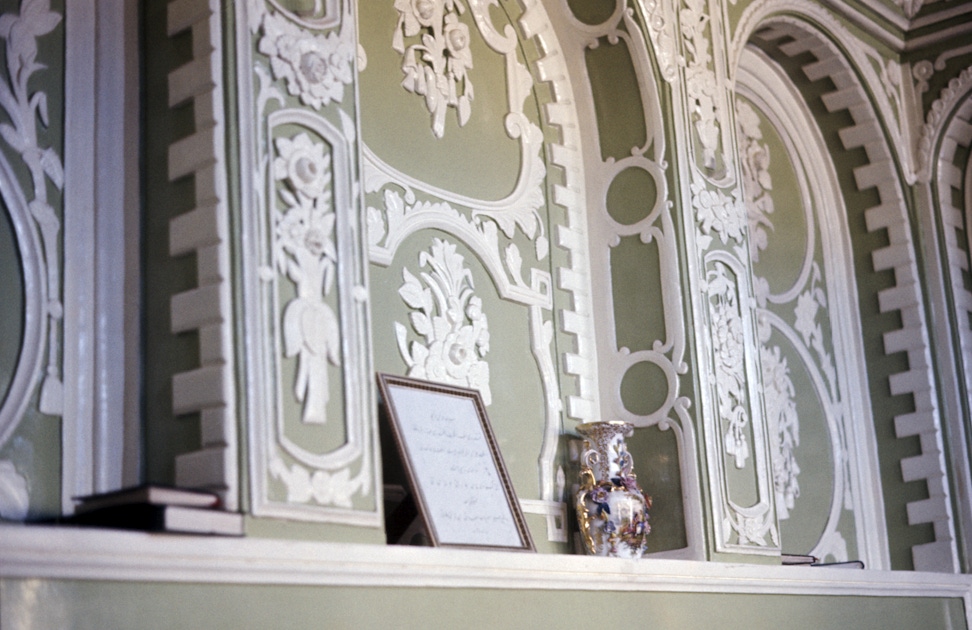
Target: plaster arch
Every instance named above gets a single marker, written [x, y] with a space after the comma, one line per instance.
[823, 345]
[945, 178]
[846, 98]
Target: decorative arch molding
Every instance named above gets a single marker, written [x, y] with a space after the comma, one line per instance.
[880, 174]
[207, 309]
[836, 366]
[891, 90]
[946, 182]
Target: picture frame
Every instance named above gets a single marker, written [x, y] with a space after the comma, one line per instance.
[458, 480]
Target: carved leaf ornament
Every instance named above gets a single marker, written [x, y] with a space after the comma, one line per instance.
[450, 318]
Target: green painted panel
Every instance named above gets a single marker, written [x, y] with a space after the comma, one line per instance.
[12, 304]
[631, 196]
[592, 11]
[617, 99]
[516, 409]
[656, 462]
[397, 126]
[639, 316]
[29, 604]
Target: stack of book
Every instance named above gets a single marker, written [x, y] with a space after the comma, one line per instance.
[157, 509]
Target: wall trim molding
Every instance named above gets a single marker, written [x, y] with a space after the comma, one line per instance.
[32, 552]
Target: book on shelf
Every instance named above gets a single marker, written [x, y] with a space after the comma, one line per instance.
[790, 559]
[163, 518]
[157, 508]
[149, 494]
[850, 564]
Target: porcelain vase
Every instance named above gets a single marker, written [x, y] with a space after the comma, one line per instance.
[612, 511]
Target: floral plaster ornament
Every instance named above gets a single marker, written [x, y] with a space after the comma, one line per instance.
[315, 67]
[612, 511]
[305, 252]
[450, 318]
[435, 67]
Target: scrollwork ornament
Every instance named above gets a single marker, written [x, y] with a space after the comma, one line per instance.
[757, 182]
[784, 427]
[24, 109]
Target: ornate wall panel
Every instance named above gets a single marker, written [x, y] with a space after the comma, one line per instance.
[689, 35]
[884, 244]
[481, 262]
[633, 248]
[309, 382]
[808, 327]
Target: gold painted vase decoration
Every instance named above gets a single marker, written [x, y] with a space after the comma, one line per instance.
[612, 511]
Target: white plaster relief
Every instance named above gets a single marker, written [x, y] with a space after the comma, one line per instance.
[488, 228]
[207, 390]
[906, 296]
[717, 212]
[739, 440]
[861, 63]
[304, 270]
[305, 253]
[730, 377]
[436, 66]
[660, 20]
[36, 223]
[315, 67]
[701, 84]
[449, 317]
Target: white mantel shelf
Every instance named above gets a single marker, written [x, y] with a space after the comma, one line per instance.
[97, 554]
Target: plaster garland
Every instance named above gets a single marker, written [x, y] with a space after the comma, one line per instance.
[304, 251]
[437, 66]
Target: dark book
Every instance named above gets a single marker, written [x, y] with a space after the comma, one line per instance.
[150, 494]
[162, 518]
